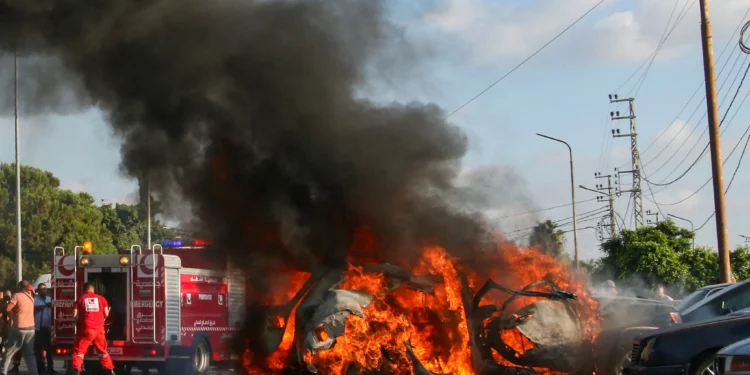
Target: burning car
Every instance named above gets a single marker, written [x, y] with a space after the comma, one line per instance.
[437, 318]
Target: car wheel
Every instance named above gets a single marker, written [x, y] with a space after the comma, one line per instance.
[705, 366]
[622, 361]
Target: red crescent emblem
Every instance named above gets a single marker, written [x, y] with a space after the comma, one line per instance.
[61, 268]
[144, 267]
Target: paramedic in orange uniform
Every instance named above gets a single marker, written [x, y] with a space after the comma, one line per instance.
[91, 310]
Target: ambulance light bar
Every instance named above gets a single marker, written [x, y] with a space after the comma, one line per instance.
[180, 243]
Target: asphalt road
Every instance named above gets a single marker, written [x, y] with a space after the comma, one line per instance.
[60, 367]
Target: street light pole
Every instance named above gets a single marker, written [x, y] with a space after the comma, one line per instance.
[692, 228]
[573, 197]
[19, 255]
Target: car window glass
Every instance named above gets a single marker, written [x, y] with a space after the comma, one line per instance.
[692, 299]
[737, 299]
[713, 291]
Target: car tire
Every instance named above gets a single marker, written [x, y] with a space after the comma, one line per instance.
[621, 361]
[705, 365]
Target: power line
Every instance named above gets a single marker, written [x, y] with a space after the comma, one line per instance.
[659, 47]
[710, 178]
[746, 50]
[734, 174]
[558, 222]
[519, 236]
[695, 127]
[525, 60]
[706, 148]
[724, 129]
[744, 99]
[726, 46]
[584, 217]
[600, 210]
[543, 209]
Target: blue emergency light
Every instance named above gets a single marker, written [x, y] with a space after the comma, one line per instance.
[179, 243]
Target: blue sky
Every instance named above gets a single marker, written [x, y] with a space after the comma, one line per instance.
[562, 92]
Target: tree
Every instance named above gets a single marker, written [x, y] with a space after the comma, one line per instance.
[740, 261]
[50, 217]
[591, 267]
[548, 238]
[654, 254]
[127, 228]
[702, 264]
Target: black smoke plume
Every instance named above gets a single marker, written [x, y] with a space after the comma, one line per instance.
[251, 113]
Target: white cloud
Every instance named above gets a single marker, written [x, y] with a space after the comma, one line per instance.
[494, 30]
[619, 30]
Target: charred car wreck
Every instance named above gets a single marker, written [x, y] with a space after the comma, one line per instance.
[321, 309]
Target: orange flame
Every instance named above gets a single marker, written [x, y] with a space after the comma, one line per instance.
[435, 324]
[285, 289]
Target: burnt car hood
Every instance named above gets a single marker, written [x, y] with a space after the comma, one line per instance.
[694, 326]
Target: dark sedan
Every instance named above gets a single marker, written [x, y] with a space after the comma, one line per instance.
[688, 348]
[623, 318]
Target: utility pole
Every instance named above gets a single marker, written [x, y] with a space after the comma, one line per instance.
[717, 169]
[611, 196]
[635, 171]
[19, 251]
[649, 213]
[611, 200]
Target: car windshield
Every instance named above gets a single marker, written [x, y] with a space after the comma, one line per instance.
[692, 299]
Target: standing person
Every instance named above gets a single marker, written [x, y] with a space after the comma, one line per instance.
[609, 287]
[21, 335]
[4, 320]
[663, 296]
[91, 310]
[43, 322]
[6, 326]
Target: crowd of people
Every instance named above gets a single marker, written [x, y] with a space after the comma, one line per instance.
[27, 333]
[25, 329]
